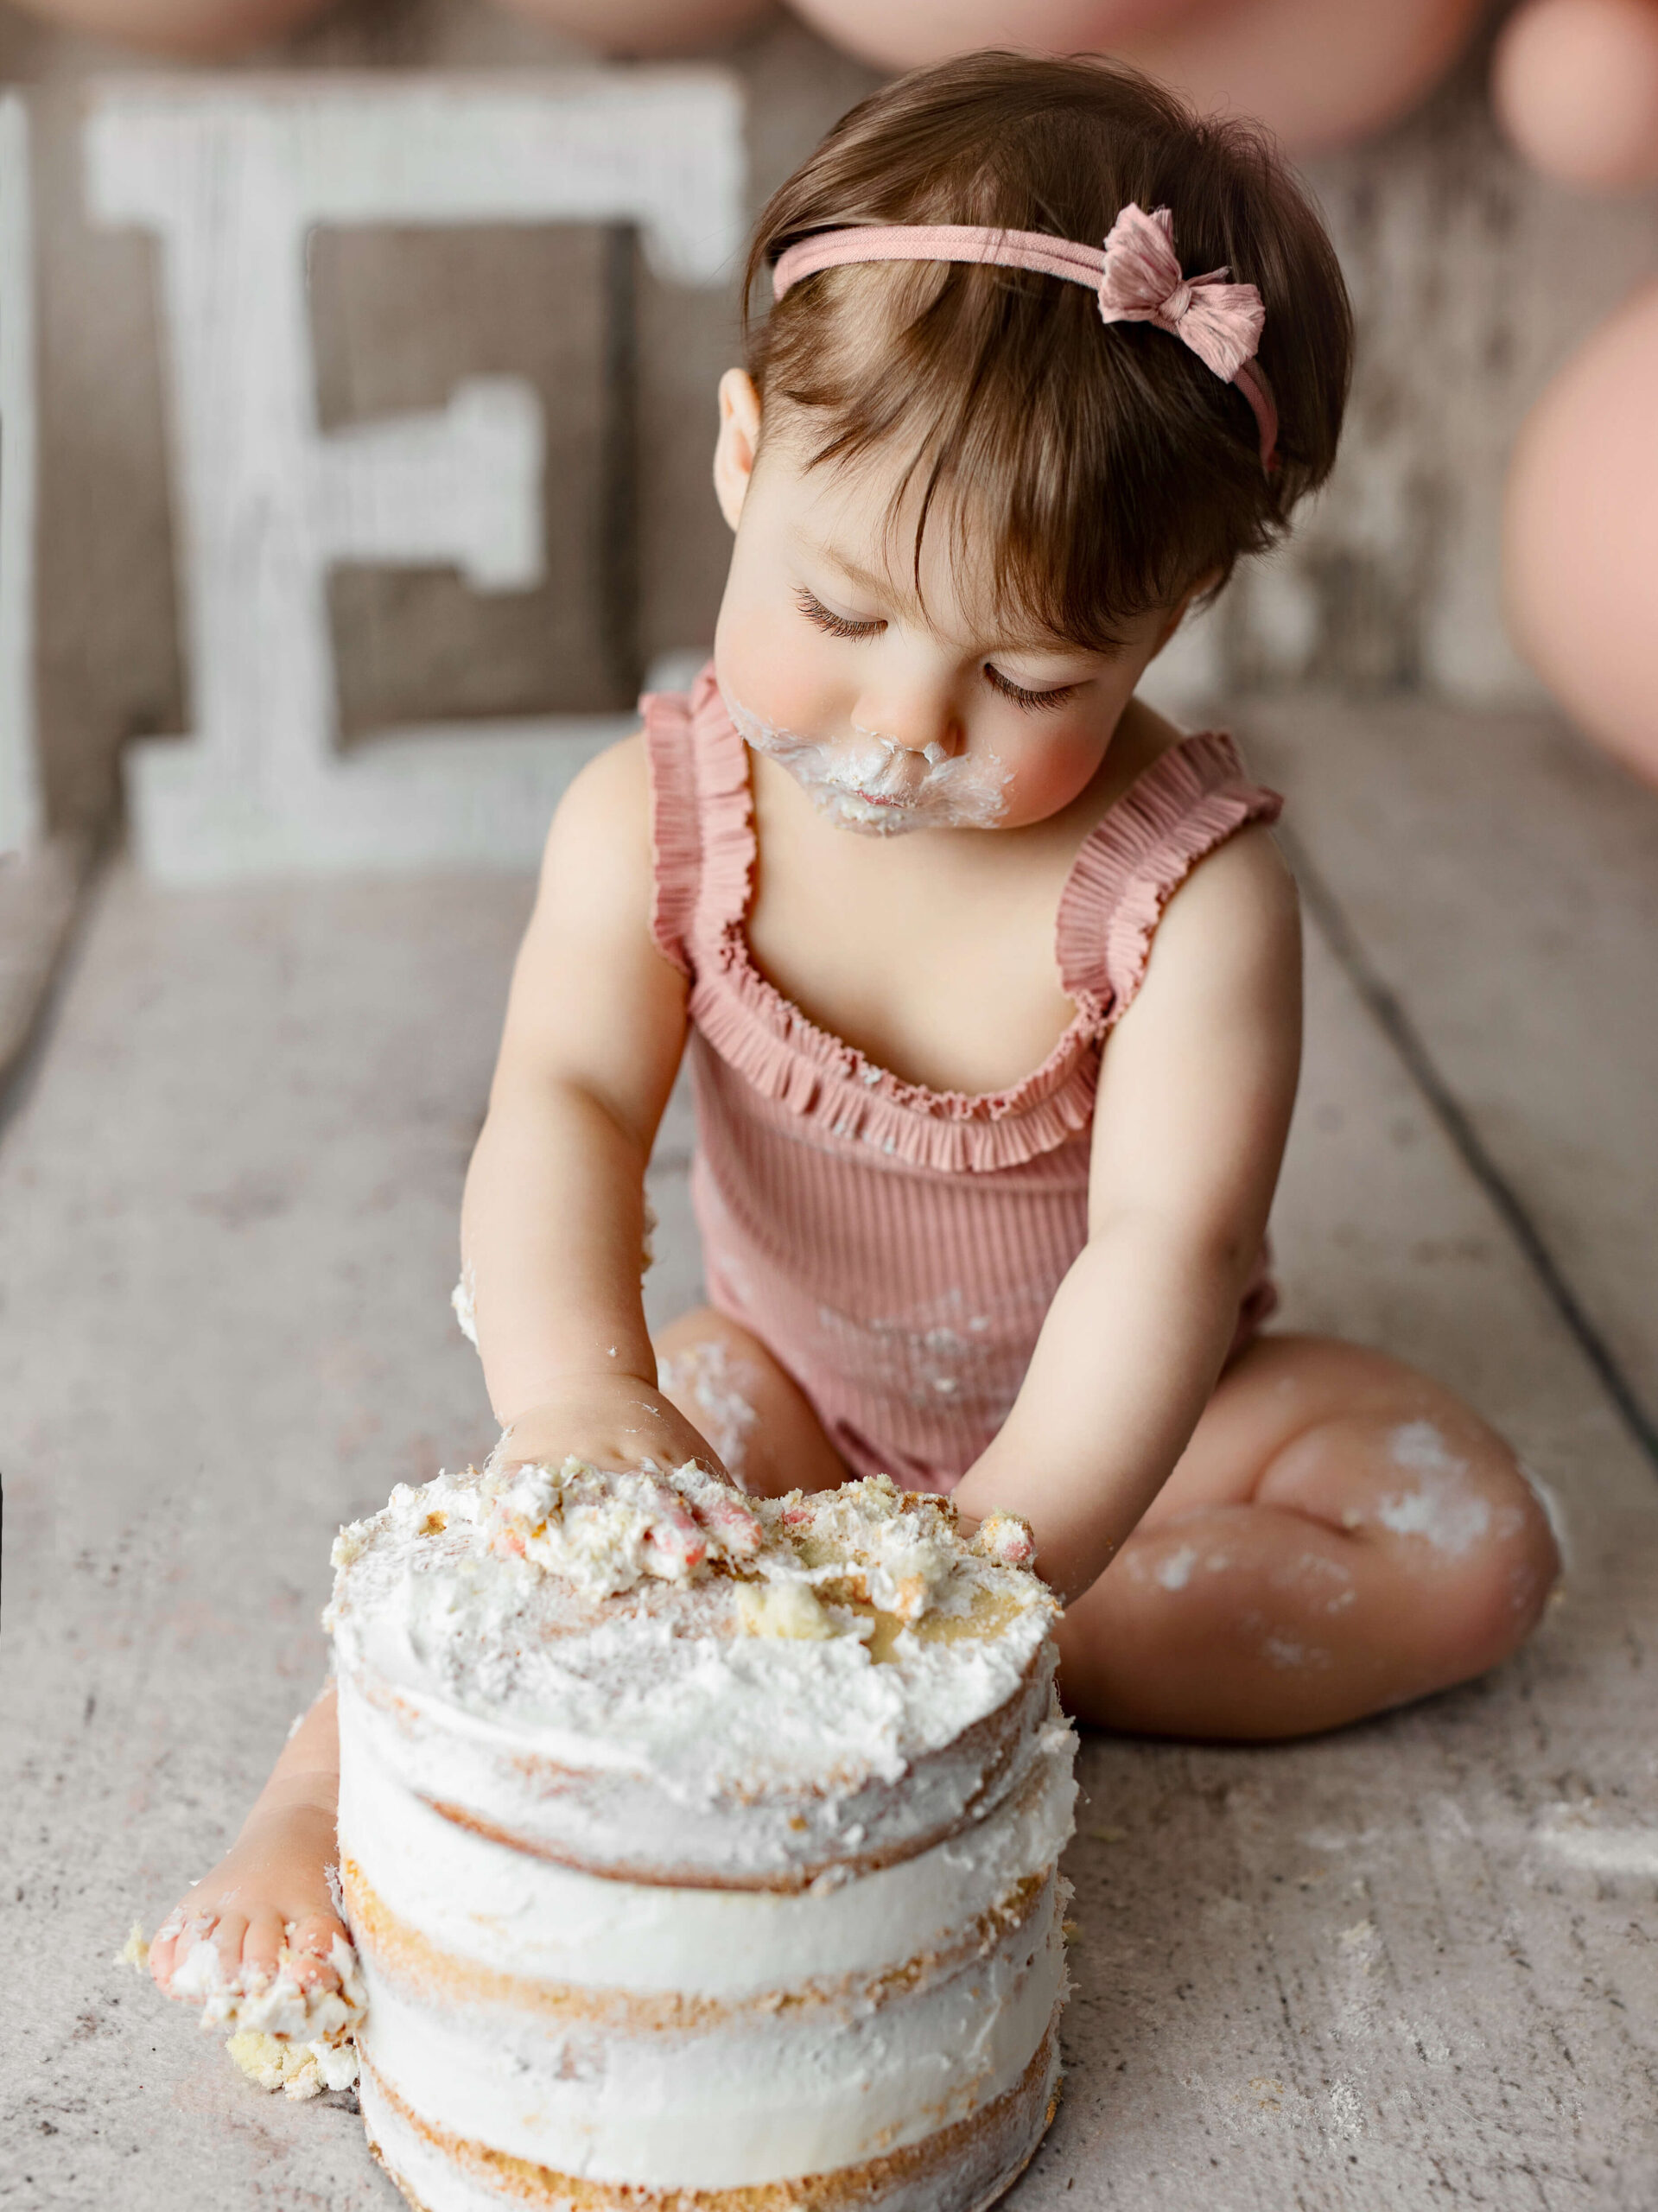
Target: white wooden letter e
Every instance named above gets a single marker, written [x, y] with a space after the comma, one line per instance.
[233, 173]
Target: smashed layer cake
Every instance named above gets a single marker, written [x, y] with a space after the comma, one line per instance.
[699, 1848]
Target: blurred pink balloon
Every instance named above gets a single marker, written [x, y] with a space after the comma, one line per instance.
[646, 26]
[1317, 72]
[208, 28]
[195, 27]
[1580, 539]
[906, 32]
[1575, 84]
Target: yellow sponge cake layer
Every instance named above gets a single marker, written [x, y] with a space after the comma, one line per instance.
[961, 2168]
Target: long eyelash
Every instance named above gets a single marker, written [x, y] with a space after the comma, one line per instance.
[826, 618]
[1035, 703]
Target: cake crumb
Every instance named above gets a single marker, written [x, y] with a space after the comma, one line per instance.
[298, 2069]
[283, 2036]
[783, 1609]
[135, 1952]
[1007, 1539]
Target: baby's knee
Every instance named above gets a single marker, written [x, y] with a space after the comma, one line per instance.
[1523, 1566]
[1490, 1558]
[1463, 1556]
[730, 1386]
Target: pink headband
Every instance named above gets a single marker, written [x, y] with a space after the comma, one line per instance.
[1137, 277]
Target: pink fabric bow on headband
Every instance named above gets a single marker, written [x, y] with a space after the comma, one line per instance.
[1137, 279]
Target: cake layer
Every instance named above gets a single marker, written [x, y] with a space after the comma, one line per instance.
[852, 1692]
[963, 2167]
[686, 1828]
[729, 2098]
[476, 1901]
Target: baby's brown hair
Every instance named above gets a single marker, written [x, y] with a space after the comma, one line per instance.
[1108, 469]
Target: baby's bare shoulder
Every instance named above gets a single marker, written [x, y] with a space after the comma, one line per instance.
[1237, 911]
[1245, 871]
[600, 832]
[589, 972]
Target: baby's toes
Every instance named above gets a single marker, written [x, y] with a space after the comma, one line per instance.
[172, 1940]
[262, 1944]
[228, 1939]
[309, 1943]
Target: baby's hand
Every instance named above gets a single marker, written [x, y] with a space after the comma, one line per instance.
[612, 1421]
[618, 1426]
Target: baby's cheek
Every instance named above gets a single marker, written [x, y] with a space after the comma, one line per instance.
[776, 682]
[1045, 774]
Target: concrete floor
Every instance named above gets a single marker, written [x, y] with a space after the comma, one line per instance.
[1413, 1965]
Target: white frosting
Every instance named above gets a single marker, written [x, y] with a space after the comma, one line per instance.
[768, 2097]
[681, 1742]
[282, 2033]
[249, 2002]
[603, 1533]
[484, 1903]
[975, 2179]
[871, 782]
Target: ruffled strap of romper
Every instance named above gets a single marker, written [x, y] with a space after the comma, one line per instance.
[1191, 798]
[702, 835]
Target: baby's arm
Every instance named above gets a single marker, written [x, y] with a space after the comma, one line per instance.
[1196, 1090]
[553, 1224]
[552, 1232]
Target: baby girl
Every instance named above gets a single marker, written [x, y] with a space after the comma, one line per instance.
[989, 976]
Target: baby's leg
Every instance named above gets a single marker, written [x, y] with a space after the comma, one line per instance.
[749, 1408]
[271, 1886]
[1341, 1535]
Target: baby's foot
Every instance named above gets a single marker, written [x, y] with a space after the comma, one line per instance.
[270, 1894]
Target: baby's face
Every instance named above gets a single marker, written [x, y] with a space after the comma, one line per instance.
[898, 710]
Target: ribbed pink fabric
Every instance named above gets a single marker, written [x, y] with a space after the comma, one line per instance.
[897, 1248]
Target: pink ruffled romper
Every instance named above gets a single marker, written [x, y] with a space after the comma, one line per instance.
[896, 1248]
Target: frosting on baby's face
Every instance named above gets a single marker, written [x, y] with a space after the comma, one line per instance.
[877, 784]
[898, 702]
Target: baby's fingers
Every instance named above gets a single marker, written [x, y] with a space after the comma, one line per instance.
[732, 1523]
[674, 1537]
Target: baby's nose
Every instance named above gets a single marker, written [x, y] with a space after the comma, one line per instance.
[932, 729]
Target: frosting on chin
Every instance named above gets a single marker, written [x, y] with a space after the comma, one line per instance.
[870, 782]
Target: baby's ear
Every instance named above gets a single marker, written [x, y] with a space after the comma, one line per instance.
[739, 441]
